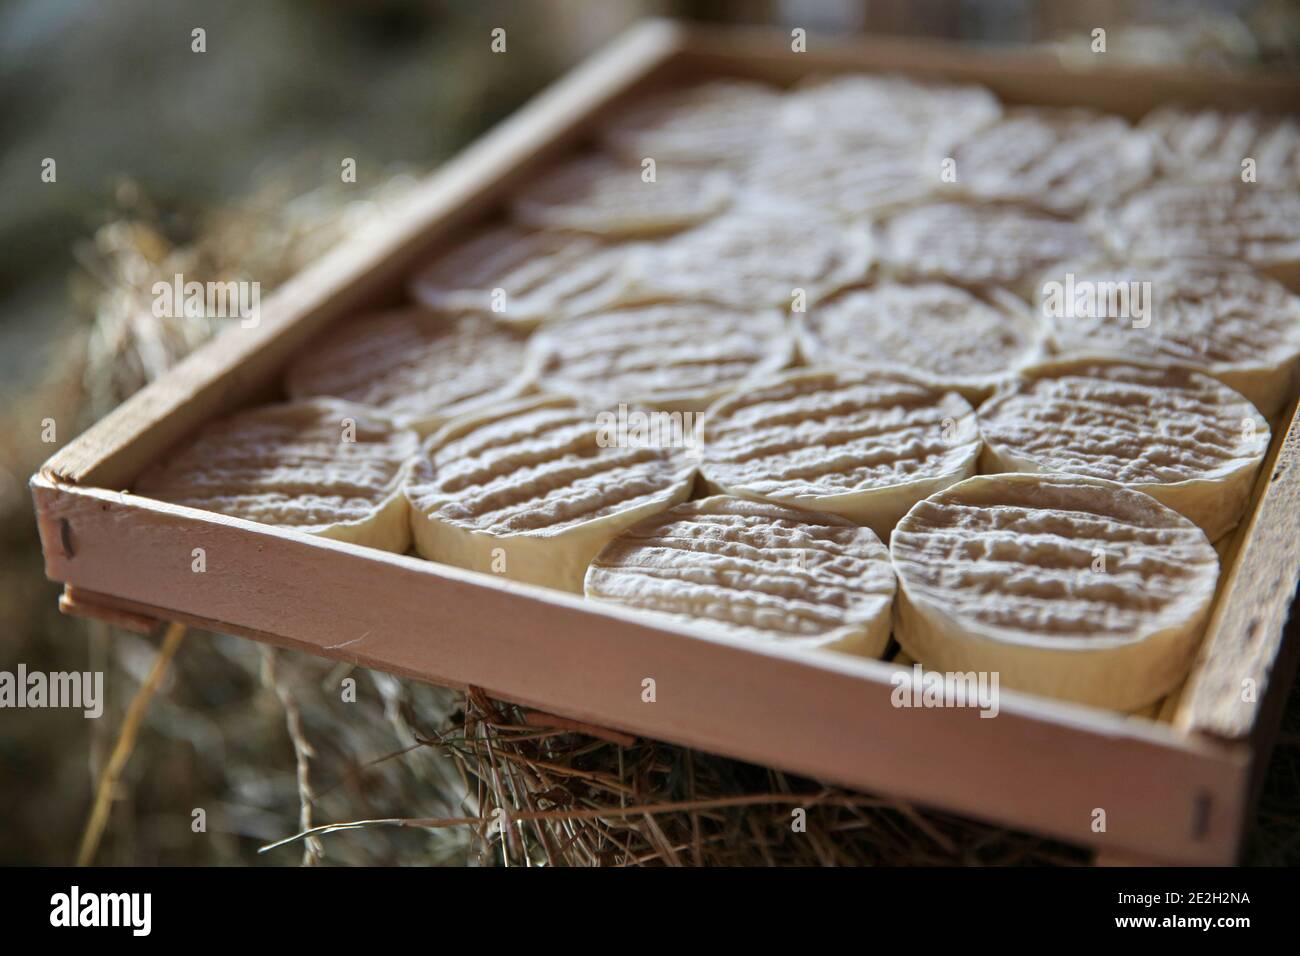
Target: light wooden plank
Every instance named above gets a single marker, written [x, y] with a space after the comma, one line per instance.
[1245, 634]
[1016, 76]
[106, 609]
[1039, 765]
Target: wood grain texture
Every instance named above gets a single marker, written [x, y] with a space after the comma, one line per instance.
[76, 602]
[1239, 659]
[1015, 76]
[1038, 765]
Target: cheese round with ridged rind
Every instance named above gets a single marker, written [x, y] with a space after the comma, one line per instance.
[956, 339]
[753, 256]
[719, 122]
[754, 569]
[597, 194]
[321, 466]
[533, 489]
[521, 276]
[1178, 435]
[837, 181]
[1211, 146]
[1248, 222]
[675, 355]
[977, 245]
[1063, 160]
[1071, 587]
[418, 367]
[862, 110]
[1226, 320]
[863, 444]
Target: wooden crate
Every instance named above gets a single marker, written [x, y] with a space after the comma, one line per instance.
[1176, 785]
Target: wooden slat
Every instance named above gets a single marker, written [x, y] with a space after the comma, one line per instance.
[223, 374]
[1017, 76]
[104, 608]
[1039, 765]
[1245, 634]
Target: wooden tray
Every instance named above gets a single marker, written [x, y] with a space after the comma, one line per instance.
[1176, 786]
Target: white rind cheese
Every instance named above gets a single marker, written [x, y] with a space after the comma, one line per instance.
[1178, 435]
[674, 355]
[1211, 146]
[420, 368]
[865, 111]
[1062, 160]
[532, 490]
[977, 245]
[753, 256]
[956, 339]
[839, 181]
[323, 467]
[1249, 222]
[863, 444]
[717, 123]
[1226, 320]
[522, 276]
[757, 570]
[1071, 587]
[596, 194]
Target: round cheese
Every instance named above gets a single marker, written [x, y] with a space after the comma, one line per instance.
[1182, 437]
[956, 339]
[976, 245]
[1066, 586]
[533, 489]
[756, 570]
[676, 355]
[753, 256]
[1229, 321]
[418, 367]
[596, 194]
[840, 181]
[864, 444]
[1213, 146]
[718, 122]
[1249, 222]
[520, 276]
[1063, 160]
[322, 466]
[869, 110]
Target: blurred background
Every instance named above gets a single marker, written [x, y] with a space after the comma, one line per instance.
[225, 163]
